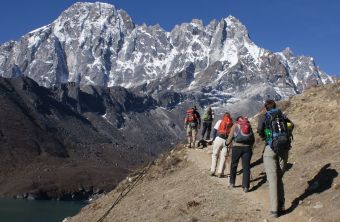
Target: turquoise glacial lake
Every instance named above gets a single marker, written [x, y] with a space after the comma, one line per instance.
[12, 210]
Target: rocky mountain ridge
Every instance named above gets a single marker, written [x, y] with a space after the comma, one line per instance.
[216, 64]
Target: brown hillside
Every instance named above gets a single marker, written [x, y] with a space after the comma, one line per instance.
[177, 187]
[313, 180]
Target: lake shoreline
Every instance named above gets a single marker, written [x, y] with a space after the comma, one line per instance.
[17, 210]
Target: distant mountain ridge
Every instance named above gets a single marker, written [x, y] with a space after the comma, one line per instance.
[97, 44]
[49, 137]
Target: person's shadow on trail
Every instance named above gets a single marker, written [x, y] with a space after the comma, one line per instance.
[262, 180]
[257, 162]
[321, 182]
[253, 164]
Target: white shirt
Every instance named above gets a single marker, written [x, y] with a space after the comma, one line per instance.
[217, 124]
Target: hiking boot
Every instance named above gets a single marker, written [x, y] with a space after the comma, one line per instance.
[274, 214]
[281, 207]
[246, 189]
[231, 186]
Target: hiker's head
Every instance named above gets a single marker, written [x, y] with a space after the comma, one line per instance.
[227, 114]
[270, 104]
[209, 109]
[194, 108]
[241, 118]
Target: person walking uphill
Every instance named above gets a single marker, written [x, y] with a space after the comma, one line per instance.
[208, 118]
[192, 123]
[273, 127]
[217, 125]
[242, 136]
[219, 146]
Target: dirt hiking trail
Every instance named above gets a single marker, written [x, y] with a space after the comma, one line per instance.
[258, 194]
[177, 186]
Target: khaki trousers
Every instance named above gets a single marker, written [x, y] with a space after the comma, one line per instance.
[275, 166]
[220, 148]
[191, 135]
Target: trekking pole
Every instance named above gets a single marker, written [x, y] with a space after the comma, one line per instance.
[228, 164]
[252, 181]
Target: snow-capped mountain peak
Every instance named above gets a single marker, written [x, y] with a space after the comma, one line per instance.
[97, 44]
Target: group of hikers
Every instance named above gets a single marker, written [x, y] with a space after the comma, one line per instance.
[236, 139]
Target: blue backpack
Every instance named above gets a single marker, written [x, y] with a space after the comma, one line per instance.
[278, 137]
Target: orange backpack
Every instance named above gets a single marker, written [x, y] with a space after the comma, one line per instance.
[225, 126]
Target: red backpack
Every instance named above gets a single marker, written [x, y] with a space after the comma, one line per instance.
[225, 126]
[191, 116]
[243, 131]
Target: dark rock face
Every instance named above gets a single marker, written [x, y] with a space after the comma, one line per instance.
[55, 140]
[169, 99]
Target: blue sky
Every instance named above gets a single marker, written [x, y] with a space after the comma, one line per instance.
[308, 27]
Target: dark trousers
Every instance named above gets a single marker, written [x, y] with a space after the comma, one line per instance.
[245, 153]
[206, 128]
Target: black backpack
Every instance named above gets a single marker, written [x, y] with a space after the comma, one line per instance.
[279, 136]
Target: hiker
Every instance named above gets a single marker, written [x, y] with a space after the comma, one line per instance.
[208, 118]
[273, 128]
[219, 146]
[216, 126]
[192, 123]
[242, 136]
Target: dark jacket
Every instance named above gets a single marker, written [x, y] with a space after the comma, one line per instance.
[198, 117]
[198, 121]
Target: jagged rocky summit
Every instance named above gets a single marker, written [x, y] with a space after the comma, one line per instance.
[215, 64]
